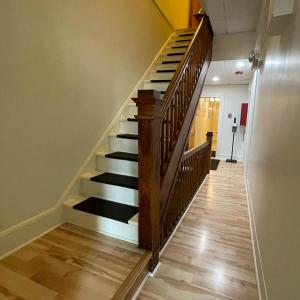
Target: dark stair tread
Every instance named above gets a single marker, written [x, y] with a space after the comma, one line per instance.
[117, 179]
[132, 119]
[128, 136]
[171, 62]
[123, 156]
[165, 71]
[107, 209]
[160, 80]
[186, 34]
[174, 54]
[179, 47]
[179, 41]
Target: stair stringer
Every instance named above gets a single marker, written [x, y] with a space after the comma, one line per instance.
[110, 142]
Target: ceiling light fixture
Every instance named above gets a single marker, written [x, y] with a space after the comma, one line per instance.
[215, 78]
[218, 99]
[240, 64]
[212, 99]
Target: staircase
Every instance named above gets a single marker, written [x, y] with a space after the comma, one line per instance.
[108, 196]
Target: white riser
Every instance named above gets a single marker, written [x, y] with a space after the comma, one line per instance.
[122, 231]
[162, 76]
[182, 38]
[185, 30]
[172, 44]
[132, 111]
[117, 166]
[124, 145]
[158, 86]
[167, 66]
[171, 58]
[109, 192]
[128, 127]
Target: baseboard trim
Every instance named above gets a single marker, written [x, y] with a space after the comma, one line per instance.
[20, 235]
[260, 278]
[25, 232]
[134, 280]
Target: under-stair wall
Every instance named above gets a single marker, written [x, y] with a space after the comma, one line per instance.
[66, 69]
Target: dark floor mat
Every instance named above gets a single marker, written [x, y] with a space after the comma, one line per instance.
[214, 163]
[107, 209]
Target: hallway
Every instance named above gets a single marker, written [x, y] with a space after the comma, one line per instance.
[210, 255]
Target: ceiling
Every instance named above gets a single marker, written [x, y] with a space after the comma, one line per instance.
[232, 16]
[225, 72]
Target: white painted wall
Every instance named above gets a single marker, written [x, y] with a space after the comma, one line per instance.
[232, 96]
[66, 69]
[273, 161]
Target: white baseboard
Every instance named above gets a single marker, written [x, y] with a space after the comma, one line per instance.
[24, 232]
[260, 279]
[18, 236]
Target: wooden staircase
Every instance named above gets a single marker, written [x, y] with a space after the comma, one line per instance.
[144, 180]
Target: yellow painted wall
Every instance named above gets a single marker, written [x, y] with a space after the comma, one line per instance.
[206, 119]
[176, 11]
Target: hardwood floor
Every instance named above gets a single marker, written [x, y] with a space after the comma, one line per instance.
[210, 255]
[68, 263]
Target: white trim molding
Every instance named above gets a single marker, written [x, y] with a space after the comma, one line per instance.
[18, 236]
[260, 278]
[28, 230]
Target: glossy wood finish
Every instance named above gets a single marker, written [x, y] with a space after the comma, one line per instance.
[210, 255]
[133, 281]
[68, 263]
[181, 90]
[163, 132]
[149, 124]
[194, 167]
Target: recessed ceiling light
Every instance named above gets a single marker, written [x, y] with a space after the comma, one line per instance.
[240, 64]
[212, 99]
[218, 99]
[215, 78]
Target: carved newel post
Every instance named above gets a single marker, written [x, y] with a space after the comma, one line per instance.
[149, 129]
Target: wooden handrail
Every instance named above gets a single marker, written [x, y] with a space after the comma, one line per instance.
[193, 168]
[178, 74]
[191, 152]
[181, 90]
[163, 128]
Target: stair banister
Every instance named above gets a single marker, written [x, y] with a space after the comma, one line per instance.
[149, 105]
[163, 128]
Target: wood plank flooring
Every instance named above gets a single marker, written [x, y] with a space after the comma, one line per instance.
[210, 255]
[68, 263]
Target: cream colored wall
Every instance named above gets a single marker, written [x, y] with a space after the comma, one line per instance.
[66, 68]
[176, 11]
[273, 162]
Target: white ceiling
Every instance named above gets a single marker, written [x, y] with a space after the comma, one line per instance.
[225, 72]
[232, 16]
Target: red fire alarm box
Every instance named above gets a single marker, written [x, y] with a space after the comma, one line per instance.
[244, 113]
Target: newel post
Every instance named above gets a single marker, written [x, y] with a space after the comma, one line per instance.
[209, 137]
[149, 105]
